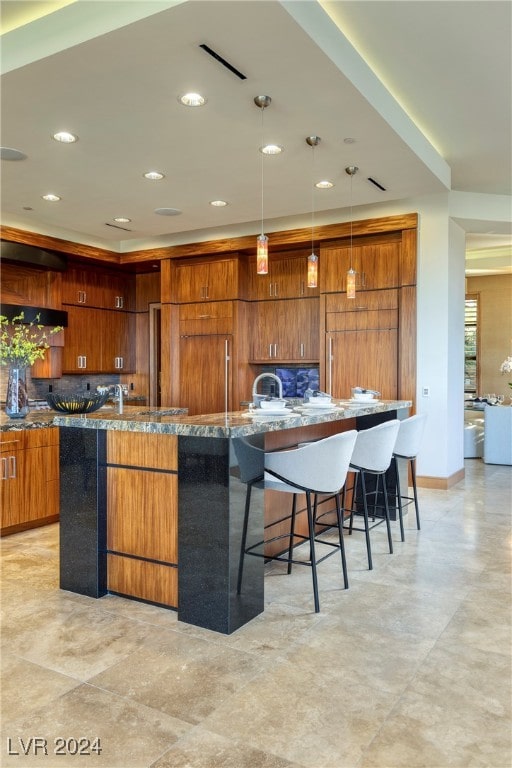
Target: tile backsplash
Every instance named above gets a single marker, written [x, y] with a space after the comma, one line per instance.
[39, 388]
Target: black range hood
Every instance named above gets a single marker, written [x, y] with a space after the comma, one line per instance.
[49, 317]
[32, 256]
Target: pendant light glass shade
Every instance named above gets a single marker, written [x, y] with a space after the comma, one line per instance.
[351, 283]
[262, 255]
[262, 240]
[312, 279]
[351, 274]
[312, 271]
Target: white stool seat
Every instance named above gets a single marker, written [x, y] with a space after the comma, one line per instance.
[372, 455]
[315, 468]
[406, 447]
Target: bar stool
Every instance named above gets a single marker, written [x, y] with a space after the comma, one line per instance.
[316, 468]
[372, 455]
[406, 447]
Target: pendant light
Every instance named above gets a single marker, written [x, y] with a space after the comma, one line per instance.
[351, 274]
[262, 240]
[312, 279]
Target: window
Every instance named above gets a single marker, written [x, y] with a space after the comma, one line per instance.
[471, 368]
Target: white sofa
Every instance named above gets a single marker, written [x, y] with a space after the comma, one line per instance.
[498, 434]
[473, 434]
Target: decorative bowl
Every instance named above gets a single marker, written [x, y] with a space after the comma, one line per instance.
[319, 402]
[273, 405]
[76, 403]
[364, 397]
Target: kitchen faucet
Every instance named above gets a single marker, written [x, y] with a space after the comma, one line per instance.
[270, 376]
[118, 389]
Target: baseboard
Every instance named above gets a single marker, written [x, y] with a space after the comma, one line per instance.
[9, 529]
[440, 483]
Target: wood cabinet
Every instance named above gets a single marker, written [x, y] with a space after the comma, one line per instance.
[99, 341]
[205, 381]
[98, 288]
[366, 358]
[285, 331]
[29, 479]
[376, 262]
[206, 281]
[142, 516]
[286, 278]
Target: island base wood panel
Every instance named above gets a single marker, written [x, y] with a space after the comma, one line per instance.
[144, 580]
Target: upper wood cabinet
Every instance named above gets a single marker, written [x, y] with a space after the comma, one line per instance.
[205, 280]
[377, 265]
[285, 331]
[206, 318]
[99, 341]
[286, 278]
[98, 288]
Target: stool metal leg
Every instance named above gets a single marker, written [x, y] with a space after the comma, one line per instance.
[386, 508]
[399, 499]
[244, 538]
[366, 523]
[311, 528]
[415, 492]
[292, 531]
[342, 542]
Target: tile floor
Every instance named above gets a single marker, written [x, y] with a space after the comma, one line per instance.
[410, 667]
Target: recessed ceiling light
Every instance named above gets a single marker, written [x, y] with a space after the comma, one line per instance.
[192, 100]
[6, 153]
[218, 203]
[121, 220]
[51, 198]
[324, 184]
[154, 175]
[272, 149]
[167, 211]
[65, 137]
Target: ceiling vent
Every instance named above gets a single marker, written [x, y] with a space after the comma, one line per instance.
[222, 61]
[376, 184]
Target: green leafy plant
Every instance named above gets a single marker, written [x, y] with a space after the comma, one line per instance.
[21, 343]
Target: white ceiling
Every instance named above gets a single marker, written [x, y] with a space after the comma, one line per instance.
[111, 73]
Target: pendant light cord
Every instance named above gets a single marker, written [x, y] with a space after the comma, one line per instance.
[262, 161]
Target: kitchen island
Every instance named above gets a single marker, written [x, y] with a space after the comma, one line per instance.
[152, 503]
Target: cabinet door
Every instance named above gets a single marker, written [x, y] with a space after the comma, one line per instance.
[205, 373]
[212, 281]
[117, 291]
[362, 358]
[81, 287]
[377, 266]
[286, 279]
[285, 331]
[10, 486]
[118, 344]
[83, 341]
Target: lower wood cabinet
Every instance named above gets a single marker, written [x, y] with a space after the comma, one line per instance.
[142, 516]
[205, 373]
[365, 359]
[29, 479]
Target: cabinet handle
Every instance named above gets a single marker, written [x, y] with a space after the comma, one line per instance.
[82, 361]
[119, 302]
[302, 350]
[12, 467]
[270, 289]
[302, 287]
[270, 350]
[4, 469]
[330, 365]
[207, 292]
[82, 297]
[276, 289]
[363, 279]
[119, 362]
[227, 358]
[275, 350]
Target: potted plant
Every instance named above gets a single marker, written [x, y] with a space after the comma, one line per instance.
[506, 367]
[21, 344]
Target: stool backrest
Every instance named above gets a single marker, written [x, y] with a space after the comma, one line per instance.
[320, 467]
[374, 447]
[410, 436]
[250, 460]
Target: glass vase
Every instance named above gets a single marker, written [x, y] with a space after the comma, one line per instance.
[16, 401]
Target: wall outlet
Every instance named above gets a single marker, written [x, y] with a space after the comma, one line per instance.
[425, 392]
